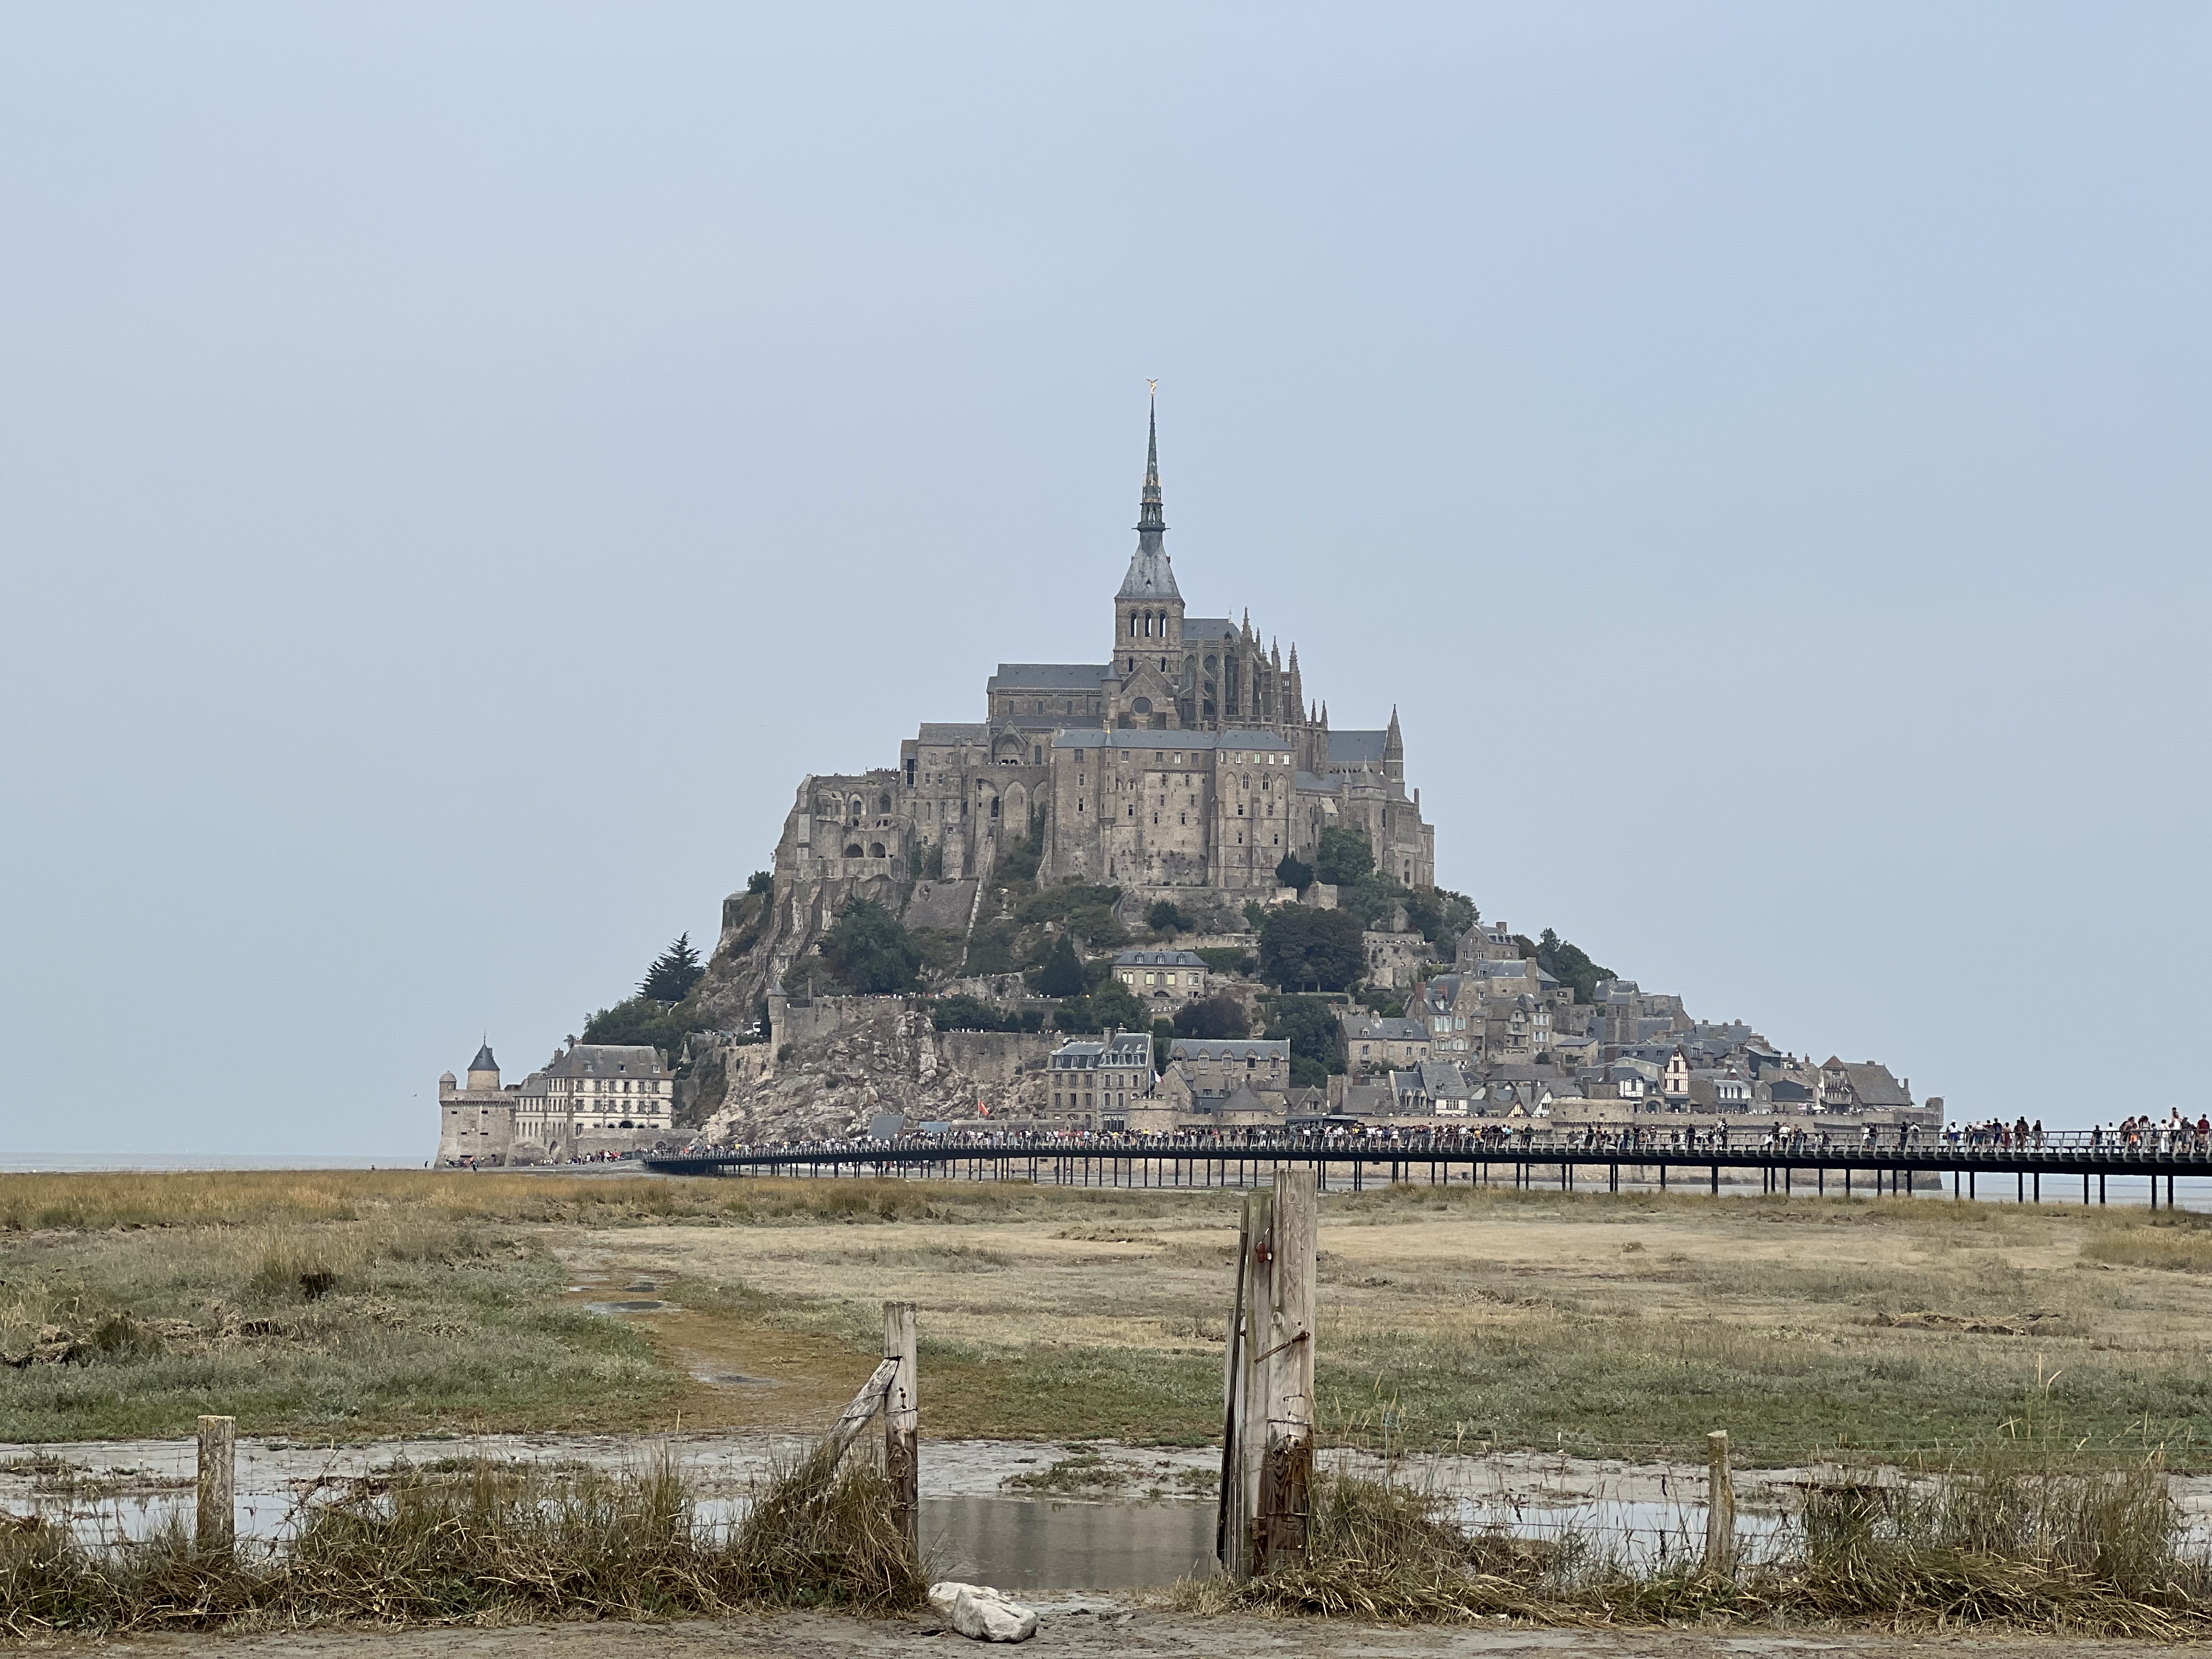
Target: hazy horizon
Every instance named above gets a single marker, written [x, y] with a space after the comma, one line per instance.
[463, 466]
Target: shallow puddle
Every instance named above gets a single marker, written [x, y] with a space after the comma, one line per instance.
[1023, 1544]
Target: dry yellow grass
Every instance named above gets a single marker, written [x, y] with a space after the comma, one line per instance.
[1626, 1323]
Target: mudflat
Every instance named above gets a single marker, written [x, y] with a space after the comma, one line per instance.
[353, 1304]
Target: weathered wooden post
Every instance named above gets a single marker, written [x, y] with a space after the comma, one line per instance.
[1719, 1507]
[1265, 1508]
[216, 1527]
[903, 1418]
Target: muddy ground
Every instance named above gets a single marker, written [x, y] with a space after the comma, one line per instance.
[1090, 1626]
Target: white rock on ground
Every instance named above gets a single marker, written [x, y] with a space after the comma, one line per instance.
[981, 1612]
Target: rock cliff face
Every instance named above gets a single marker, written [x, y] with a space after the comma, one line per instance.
[888, 1060]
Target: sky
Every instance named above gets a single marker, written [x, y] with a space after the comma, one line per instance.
[461, 467]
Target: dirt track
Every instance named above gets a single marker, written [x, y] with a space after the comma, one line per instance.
[1092, 1626]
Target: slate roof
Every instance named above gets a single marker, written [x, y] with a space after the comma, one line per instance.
[483, 1062]
[1158, 959]
[608, 1060]
[1350, 748]
[1378, 1029]
[1209, 628]
[1229, 1048]
[1048, 676]
[952, 731]
[1149, 576]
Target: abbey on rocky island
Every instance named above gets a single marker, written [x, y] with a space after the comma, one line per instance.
[1190, 758]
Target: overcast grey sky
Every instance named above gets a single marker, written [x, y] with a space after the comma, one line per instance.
[462, 465]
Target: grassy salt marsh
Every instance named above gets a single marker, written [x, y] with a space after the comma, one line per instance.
[349, 1304]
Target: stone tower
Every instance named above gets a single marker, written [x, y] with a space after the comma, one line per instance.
[1148, 610]
[483, 1069]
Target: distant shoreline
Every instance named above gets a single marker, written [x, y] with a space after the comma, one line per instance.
[151, 1163]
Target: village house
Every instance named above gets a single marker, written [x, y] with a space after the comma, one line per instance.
[1162, 976]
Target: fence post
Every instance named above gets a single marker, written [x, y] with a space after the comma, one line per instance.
[902, 1417]
[218, 1481]
[1247, 1407]
[1283, 1366]
[1719, 1507]
[1231, 1516]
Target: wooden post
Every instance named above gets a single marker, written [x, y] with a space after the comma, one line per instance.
[1229, 1515]
[1719, 1507]
[1266, 1516]
[218, 1483]
[903, 1418]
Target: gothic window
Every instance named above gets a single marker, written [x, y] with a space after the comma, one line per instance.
[885, 803]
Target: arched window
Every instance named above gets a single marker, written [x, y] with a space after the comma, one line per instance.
[857, 808]
[994, 806]
[853, 851]
[885, 804]
[875, 849]
[1133, 623]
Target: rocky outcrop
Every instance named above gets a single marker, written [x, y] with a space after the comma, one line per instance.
[887, 1058]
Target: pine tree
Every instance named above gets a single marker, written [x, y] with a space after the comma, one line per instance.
[1062, 974]
[673, 973]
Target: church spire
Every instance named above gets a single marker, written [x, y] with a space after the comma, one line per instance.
[1151, 576]
[1151, 519]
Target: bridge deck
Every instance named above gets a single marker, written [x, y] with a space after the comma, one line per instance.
[1353, 1165]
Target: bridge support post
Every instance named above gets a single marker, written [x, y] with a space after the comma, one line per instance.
[1717, 1180]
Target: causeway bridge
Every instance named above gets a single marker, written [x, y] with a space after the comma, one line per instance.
[1867, 1164]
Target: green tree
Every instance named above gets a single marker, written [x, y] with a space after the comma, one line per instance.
[868, 948]
[1294, 872]
[1114, 1004]
[648, 1023]
[1345, 857]
[1316, 1037]
[1163, 1035]
[1216, 1018]
[1075, 1014]
[1312, 949]
[1570, 966]
[1020, 861]
[1061, 975]
[1164, 918]
[1441, 914]
[673, 972]
[761, 881]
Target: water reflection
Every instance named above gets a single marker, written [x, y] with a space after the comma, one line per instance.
[1025, 1544]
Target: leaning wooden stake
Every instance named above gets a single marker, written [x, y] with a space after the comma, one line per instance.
[1267, 1512]
[903, 1418]
[1720, 1509]
[218, 1483]
[856, 1416]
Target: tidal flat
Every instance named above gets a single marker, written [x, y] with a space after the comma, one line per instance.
[352, 1305]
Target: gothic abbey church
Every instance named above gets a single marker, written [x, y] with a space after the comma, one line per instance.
[1189, 757]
